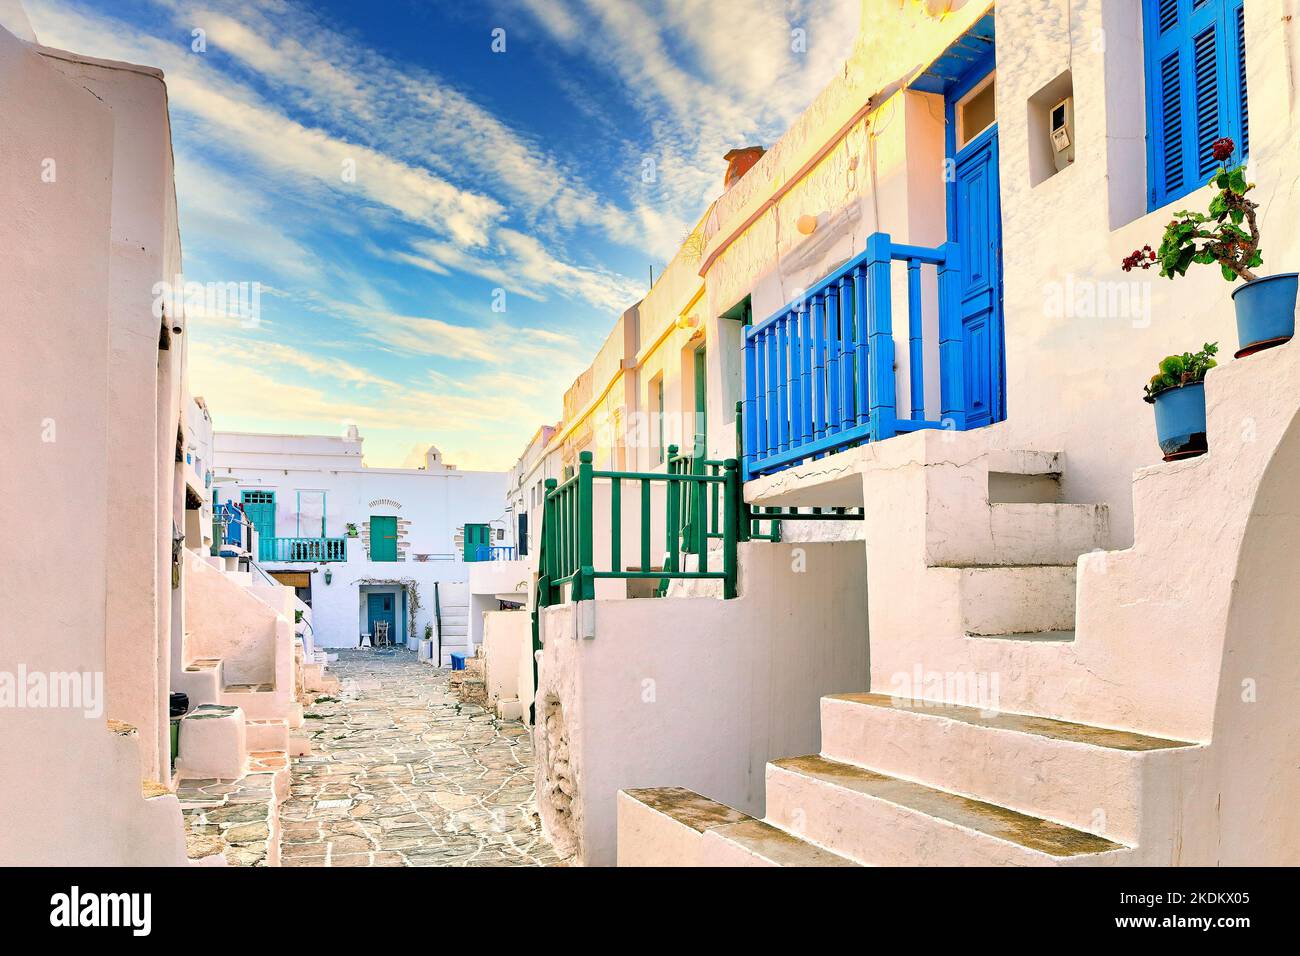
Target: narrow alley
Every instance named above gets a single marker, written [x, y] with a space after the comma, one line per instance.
[402, 774]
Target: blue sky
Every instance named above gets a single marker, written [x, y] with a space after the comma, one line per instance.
[482, 179]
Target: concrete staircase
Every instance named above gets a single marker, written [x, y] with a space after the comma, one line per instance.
[901, 783]
[454, 601]
[933, 772]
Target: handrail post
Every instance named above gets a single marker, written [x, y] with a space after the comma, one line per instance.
[952, 377]
[745, 418]
[915, 355]
[742, 527]
[550, 539]
[672, 525]
[584, 583]
[880, 333]
[730, 527]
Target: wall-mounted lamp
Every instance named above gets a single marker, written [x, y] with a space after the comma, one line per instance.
[688, 321]
[806, 224]
[329, 575]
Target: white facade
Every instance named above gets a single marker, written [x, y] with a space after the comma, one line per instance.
[322, 491]
[92, 385]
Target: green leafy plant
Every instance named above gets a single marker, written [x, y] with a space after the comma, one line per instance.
[1216, 237]
[351, 530]
[1179, 370]
[428, 632]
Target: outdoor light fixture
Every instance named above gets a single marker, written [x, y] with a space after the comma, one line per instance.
[806, 224]
[329, 575]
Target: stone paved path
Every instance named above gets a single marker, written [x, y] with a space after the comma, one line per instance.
[401, 775]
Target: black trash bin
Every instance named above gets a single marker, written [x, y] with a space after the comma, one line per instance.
[177, 705]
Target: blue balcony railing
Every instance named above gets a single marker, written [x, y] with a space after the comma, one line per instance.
[819, 374]
[495, 552]
[290, 550]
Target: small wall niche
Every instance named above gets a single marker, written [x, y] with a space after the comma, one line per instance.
[1052, 132]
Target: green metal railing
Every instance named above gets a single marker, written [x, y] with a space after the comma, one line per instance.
[568, 528]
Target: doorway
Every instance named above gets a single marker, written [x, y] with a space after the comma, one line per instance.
[975, 224]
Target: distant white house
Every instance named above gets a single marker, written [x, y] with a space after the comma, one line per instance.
[365, 547]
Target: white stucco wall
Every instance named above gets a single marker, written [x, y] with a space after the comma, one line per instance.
[71, 791]
[145, 387]
[695, 692]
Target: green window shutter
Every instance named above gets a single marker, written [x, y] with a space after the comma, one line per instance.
[383, 538]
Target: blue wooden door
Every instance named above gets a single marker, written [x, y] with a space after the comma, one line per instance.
[979, 236]
[382, 607]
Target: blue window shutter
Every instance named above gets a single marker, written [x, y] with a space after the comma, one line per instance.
[1169, 141]
[1240, 54]
[1196, 90]
[1207, 85]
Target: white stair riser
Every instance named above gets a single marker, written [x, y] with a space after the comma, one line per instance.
[647, 837]
[719, 851]
[1095, 789]
[259, 705]
[877, 832]
[267, 736]
[1029, 534]
[1017, 600]
[213, 746]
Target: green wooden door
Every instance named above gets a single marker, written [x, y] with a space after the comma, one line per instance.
[259, 508]
[701, 403]
[476, 536]
[383, 538]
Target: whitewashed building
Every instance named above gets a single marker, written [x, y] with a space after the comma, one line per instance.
[366, 546]
[959, 200]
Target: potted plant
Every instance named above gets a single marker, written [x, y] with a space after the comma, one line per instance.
[1177, 391]
[351, 530]
[1229, 236]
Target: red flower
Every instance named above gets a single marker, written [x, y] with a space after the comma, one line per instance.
[1142, 258]
[1223, 148]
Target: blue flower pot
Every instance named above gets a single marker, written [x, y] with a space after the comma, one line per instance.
[1265, 312]
[1180, 421]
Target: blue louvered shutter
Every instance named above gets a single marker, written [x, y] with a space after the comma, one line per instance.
[1196, 90]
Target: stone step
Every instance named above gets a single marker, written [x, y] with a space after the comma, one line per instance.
[673, 826]
[877, 819]
[1017, 599]
[1039, 637]
[202, 680]
[213, 742]
[758, 843]
[258, 701]
[1090, 778]
[1025, 476]
[1023, 533]
[265, 734]
[1026, 462]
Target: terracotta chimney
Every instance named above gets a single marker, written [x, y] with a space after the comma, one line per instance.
[739, 162]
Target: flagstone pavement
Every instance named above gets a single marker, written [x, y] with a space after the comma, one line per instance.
[402, 774]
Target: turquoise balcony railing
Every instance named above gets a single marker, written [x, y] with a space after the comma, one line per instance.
[819, 374]
[302, 549]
